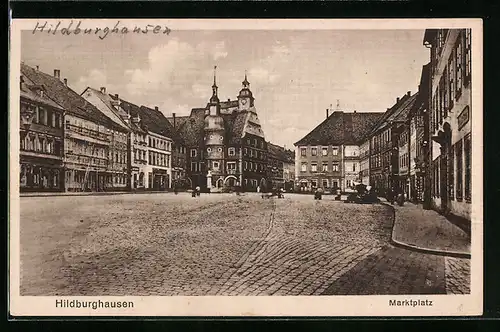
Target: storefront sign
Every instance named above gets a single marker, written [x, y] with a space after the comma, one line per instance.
[463, 117]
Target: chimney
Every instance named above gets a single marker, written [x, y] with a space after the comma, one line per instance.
[21, 81]
[37, 68]
[156, 108]
[397, 100]
[117, 96]
[57, 73]
[228, 99]
[65, 81]
[408, 93]
[173, 116]
[103, 89]
[327, 113]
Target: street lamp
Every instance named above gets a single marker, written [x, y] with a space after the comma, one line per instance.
[27, 115]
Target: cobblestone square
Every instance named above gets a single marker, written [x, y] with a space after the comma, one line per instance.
[221, 244]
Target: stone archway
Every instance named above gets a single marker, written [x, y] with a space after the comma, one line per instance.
[228, 181]
[219, 183]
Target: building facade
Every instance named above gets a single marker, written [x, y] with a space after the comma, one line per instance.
[450, 120]
[179, 159]
[364, 162]
[386, 154]
[119, 148]
[41, 145]
[289, 170]
[280, 163]
[224, 142]
[89, 138]
[160, 142]
[329, 156]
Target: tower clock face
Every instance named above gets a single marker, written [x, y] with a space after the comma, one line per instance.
[243, 101]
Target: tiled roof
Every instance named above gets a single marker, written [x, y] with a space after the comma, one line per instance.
[398, 112]
[71, 101]
[131, 109]
[341, 128]
[191, 131]
[29, 93]
[191, 128]
[115, 113]
[179, 121]
[156, 122]
[280, 153]
[238, 125]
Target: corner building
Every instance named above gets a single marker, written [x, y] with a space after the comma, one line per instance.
[329, 156]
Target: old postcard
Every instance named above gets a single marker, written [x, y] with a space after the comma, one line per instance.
[246, 167]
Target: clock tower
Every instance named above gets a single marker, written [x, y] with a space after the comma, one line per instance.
[245, 98]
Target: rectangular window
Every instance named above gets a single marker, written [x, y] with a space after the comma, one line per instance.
[231, 152]
[324, 151]
[335, 151]
[468, 55]
[451, 81]
[451, 173]
[193, 153]
[354, 167]
[215, 165]
[57, 119]
[335, 167]
[324, 167]
[459, 67]
[314, 167]
[303, 167]
[468, 166]
[193, 167]
[459, 155]
[303, 152]
[314, 151]
[325, 183]
[42, 116]
[314, 184]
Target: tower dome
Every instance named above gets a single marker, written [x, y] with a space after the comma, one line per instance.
[214, 122]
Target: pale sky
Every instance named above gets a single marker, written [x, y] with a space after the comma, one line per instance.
[294, 75]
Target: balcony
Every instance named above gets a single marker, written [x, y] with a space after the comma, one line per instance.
[97, 135]
[85, 160]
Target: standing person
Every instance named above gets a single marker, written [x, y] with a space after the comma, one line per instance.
[258, 189]
[390, 195]
[198, 190]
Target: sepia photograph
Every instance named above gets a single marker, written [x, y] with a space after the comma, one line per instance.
[246, 167]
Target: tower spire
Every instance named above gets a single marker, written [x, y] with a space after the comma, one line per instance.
[245, 81]
[215, 74]
[214, 97]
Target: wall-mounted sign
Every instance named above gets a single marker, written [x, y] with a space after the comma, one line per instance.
[463, 117]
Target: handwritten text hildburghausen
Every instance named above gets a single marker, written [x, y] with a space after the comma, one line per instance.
[101, 32]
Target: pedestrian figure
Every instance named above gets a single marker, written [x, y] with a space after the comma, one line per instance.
[258, 189]
[390, 196]
[198, 191]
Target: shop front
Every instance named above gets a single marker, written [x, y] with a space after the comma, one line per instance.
[159, 179]
[41, 175]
